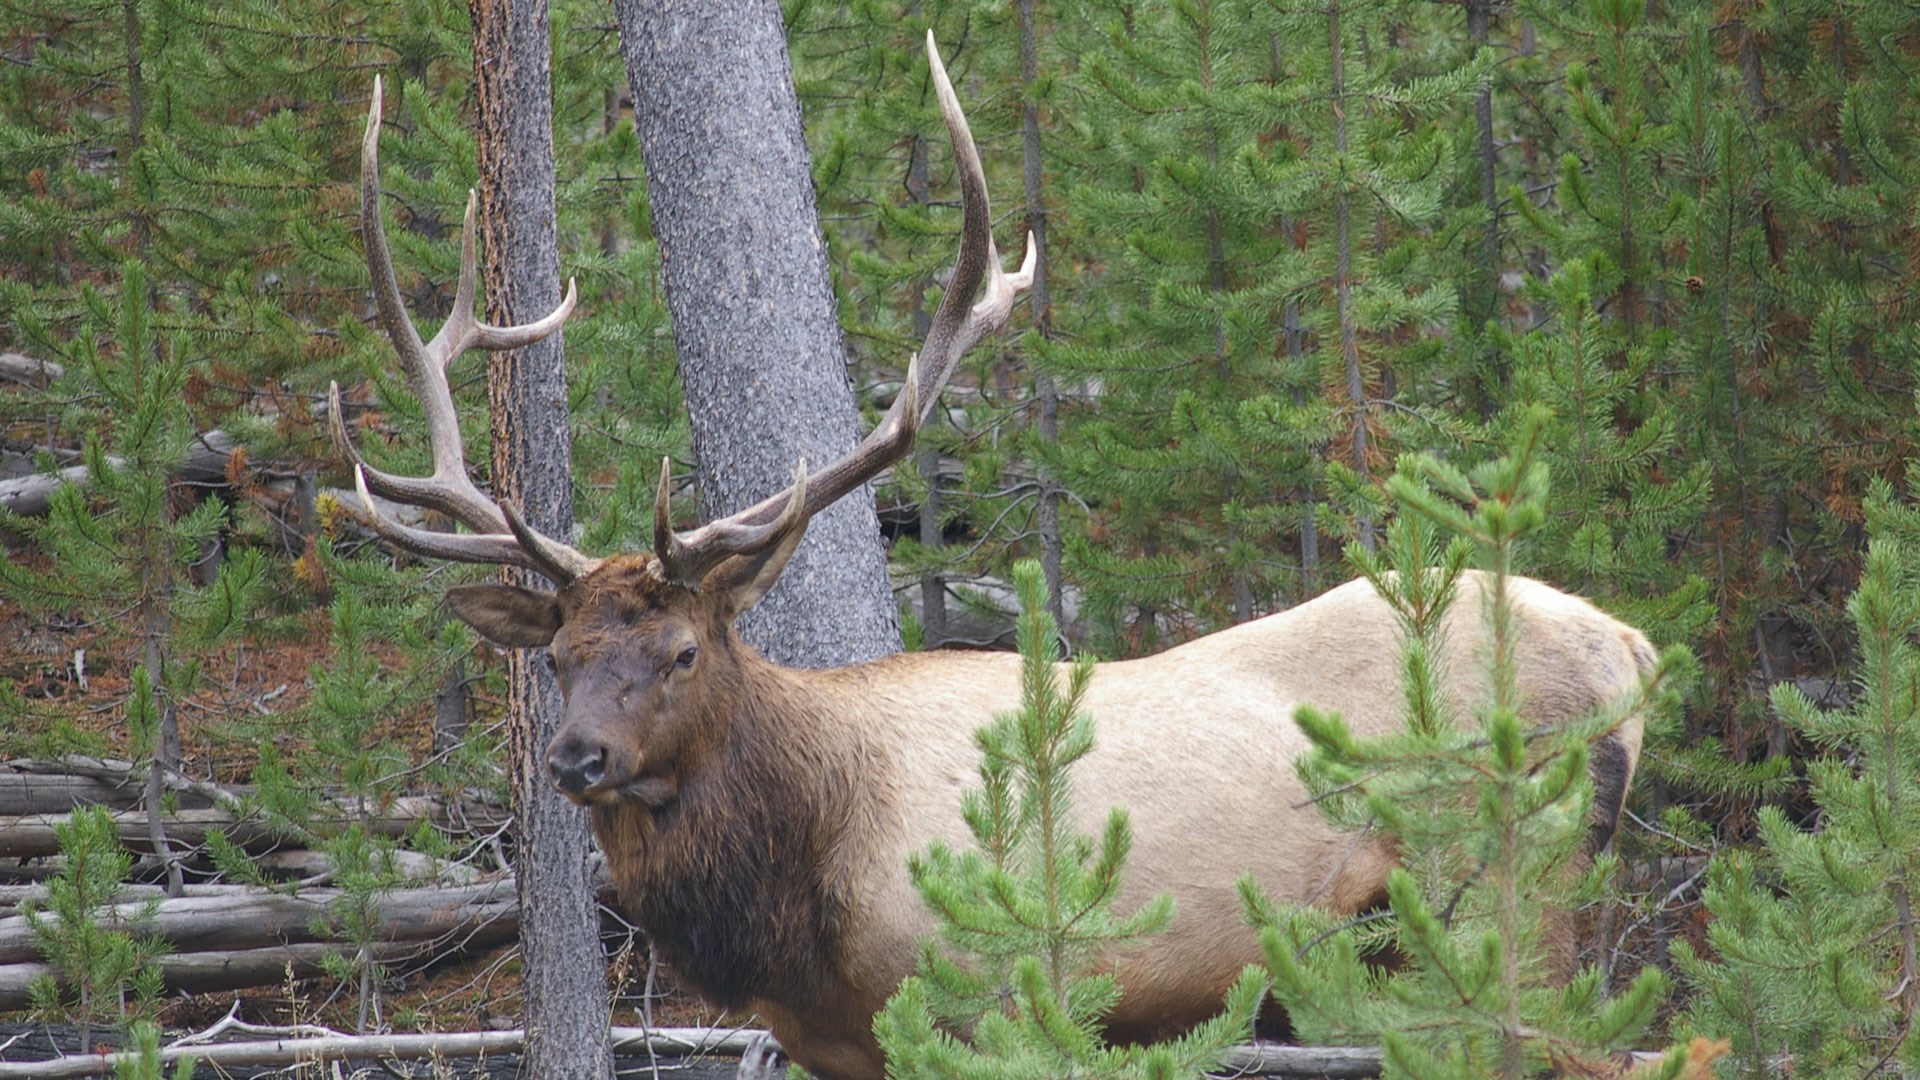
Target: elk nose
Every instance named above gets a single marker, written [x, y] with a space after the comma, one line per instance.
[576, 766]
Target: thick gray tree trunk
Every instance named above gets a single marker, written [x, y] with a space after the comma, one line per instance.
[563, 977]
[730, 187]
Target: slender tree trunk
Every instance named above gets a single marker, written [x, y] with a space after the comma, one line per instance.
[1487, 302]
[730, 190]
[1343, 268]
[563, 985]
[1040, 300]
[156, 572]
[136, 116]
[933, 583]
[1238, 583]
[1294, 341]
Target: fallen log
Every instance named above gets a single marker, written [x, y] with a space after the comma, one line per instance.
[25, 791]
[29, 371]
[294, 869]
[294, 1051]
[13, 897]
[255, 919]
[222, 972]
[205, 464]
[1276, 1059]
[24, 836]
[1253, 1059]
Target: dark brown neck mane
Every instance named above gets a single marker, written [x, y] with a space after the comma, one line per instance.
[728, 878]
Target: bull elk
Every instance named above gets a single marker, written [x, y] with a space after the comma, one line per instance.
[757, 819]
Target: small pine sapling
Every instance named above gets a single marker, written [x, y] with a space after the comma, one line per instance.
[85, 935]
[1814, 967]
[1027, 917]
[142, 1057]
[1489, 816]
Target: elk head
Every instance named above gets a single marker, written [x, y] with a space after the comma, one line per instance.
[642, 644]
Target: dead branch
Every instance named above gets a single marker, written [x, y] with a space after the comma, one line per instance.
[293, 1051]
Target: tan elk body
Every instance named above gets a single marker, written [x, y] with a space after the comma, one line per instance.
[757, 819]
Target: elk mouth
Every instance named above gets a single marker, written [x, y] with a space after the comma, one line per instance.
[655, 791]
[587, 798]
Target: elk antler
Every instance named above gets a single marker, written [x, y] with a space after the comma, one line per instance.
[500, 535]
[958, 325]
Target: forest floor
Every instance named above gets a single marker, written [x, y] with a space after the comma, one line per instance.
[72, 680]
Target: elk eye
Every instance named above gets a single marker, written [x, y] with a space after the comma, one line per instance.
[685, 659]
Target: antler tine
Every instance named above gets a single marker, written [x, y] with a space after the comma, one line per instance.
[493, 549]
[464, 330]
[559, 562]
[667, 547]
[685, 563]
[496, 539]
[958, 325]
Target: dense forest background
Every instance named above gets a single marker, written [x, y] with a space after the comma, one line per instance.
[1284, 244]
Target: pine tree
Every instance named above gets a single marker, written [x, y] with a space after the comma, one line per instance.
[1605, 349]
[1814, 961]
[1025, 918]
[122, 544]
[97, 959]
[1360, 167]
[1820, 385]
[1489, 818]
[984, 498]
[1624, 491]
[1201, 416]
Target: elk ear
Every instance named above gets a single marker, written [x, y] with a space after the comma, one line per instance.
[742, 580]
[506, 614]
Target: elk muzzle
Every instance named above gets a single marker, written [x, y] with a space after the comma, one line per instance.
[578, 766]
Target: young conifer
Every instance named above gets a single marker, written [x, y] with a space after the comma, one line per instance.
[98, 961]
[1814, 966]
[1025, 918]
[1492, 854]
[1624, 488]
[122, 549]
[1203, 414]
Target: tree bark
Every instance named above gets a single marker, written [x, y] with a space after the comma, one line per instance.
[1040, 303]
[563, 967]
[762, 364]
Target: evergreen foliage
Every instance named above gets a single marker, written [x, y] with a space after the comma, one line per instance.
[1812, 963]
[1489, 818]
[1025, 918]
[143, 1046]
[98, 960]
[1199, 420]
[1623, 492]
